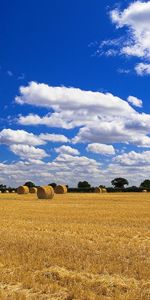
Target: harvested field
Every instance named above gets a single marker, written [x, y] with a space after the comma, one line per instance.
[76, 246]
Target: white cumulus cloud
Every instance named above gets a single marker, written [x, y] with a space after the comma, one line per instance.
[65, 169]
[28, 152]
[67, 150]
[52, 137]
[101, 149]
[68, 99]
[134, 41]
[134, 158]
[142, 69]
[9, 136]
[136, 17]
[135, 101]
[100, 118]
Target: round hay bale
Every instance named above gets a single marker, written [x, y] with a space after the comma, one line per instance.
[60, 189]
[104, 190]
[144, 191]
[23, 189]
[97, 190]
[45, 192]
[13, 191]
[0, 192]
[33, 190]
[6, 191]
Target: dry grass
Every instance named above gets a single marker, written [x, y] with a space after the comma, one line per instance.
[89, 247]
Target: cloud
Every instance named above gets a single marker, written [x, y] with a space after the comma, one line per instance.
[116, 131]
[99, 118]
[9, 136]
[68, 164]
[123, 71]
[134, 159]
[101, 149]
[52, 137]
[9, 73]
[68, 99]
[142, 69]
[67, 150]
[65, 169]
[28, 152]
[135, 101]
[136, 18]
[134, 174]
[50, 120]
[70, 170]
[134, 41]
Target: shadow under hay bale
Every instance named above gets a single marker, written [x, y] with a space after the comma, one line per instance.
[45, 192]
[97, 190]
[23, 189]
[61, 189]
[33, 190]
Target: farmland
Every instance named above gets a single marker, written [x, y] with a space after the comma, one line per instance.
[77, 246]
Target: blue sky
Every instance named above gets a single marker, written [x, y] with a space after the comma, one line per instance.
[74, 91]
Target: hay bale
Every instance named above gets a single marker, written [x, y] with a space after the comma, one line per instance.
[45, 192]
[13, 191]
[6, 191]
[33, 190]
[60, 189]
[144, 191]
[0, 192]
[97, 190]
[23, 189]
[104, 190]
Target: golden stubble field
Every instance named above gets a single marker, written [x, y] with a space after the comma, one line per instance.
[77, 246]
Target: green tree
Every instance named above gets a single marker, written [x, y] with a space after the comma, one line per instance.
[53, 184]
[145, 184]
[29, 184]
[2, 186]
[83, 184]
[119, 182]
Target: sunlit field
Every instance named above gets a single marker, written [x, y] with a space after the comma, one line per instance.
[76, 246]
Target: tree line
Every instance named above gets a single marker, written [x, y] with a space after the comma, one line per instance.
[118, 184]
